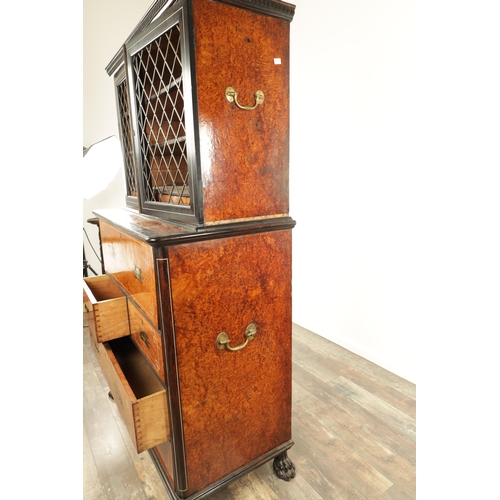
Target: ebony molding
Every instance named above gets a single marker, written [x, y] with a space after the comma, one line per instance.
[158, 232]
[273, 454]
[152, 12]
[274, 8]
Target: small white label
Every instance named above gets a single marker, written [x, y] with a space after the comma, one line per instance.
[277, 60]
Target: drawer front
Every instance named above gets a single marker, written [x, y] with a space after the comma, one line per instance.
[137, 392]
[147, 339]
[131, 264]
[105, 309]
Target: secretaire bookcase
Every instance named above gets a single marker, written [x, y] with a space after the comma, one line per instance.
[192, 322]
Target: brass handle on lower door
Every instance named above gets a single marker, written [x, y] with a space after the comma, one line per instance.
[232, 96]
[223, 339]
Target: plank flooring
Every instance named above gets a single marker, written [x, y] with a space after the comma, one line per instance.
[353, 426]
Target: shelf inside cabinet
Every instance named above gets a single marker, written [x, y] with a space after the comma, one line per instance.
[175, 85]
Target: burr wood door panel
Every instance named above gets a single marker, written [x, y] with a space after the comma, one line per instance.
[236, 406]
[244, 154]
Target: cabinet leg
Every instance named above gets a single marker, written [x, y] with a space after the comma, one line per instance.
[283, 467]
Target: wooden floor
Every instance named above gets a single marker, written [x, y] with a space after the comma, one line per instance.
[353, 427]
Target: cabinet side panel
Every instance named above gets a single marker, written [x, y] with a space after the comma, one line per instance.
[244, 154]
[236, 406]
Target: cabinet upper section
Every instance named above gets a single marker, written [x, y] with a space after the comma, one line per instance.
[202, 91]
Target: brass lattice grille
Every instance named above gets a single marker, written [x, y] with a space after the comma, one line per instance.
[159, 92]
[126, 131]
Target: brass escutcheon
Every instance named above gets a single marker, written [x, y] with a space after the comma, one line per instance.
[222, 340]
[144, 337]
[137, 273]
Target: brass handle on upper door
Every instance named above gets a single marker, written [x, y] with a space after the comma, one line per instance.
[232, 96]
[223, 339]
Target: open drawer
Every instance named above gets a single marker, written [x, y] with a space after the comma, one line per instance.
[139, 395]
[105, 308]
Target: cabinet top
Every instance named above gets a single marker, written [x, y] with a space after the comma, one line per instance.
[273, 8]
[156, 231]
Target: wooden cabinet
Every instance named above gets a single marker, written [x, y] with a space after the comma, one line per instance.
[201, 256]
[190, 152]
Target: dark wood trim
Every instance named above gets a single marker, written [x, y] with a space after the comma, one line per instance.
[283, 467]
[273, 454]
[191, 114]
[273, 8]
[171, 371]
[119, 79]
[153, 11]
[163, 477]
[158, 232]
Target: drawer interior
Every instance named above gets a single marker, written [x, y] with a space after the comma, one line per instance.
[138, 393]
[140, 376]
[102, 288]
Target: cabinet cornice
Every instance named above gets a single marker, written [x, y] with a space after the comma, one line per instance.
[281, 10]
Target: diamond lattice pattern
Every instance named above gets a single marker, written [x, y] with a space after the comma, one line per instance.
[126, 132]
[159, 92]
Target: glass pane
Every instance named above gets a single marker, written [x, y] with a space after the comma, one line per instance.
[159, 91]
[126, 130]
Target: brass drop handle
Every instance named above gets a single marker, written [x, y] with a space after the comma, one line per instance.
[223, 339]
[232, 96]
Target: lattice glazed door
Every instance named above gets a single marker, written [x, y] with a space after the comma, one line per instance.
[164, 145]
[125, 126]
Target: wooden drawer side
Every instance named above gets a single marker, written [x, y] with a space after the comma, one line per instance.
[105, 308]
[152, 410]
[138, 393]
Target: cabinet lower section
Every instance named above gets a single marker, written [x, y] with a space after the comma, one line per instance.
[208, 412]
[279, 457]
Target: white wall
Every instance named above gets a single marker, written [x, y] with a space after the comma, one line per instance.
[353, 175]
[106, 25]
[395, 112]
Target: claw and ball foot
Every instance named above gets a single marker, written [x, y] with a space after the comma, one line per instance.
[283, 467]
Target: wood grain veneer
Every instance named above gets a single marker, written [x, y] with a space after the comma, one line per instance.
[223, 285]
[147, 339]
[244, 154]
[130, 262]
